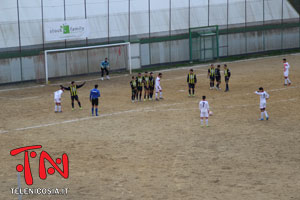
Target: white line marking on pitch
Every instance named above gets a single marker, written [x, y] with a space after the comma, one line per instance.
[1, 131]
[147, 109]
[19, 99]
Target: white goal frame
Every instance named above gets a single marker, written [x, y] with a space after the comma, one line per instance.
[88, 47]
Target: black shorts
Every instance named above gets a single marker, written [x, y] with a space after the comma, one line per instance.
[95, 102]
[226, 78]
[140, 88]
[218, 78]
[212, 78]
[146, 88]
[74, 98]
[191, 85]
[133, 91]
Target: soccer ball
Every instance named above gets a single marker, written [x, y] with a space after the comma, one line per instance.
[210, 113]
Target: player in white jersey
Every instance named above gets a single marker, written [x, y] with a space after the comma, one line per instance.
[57, 99]
[158, 88]
[286, 69]
[204, 110]
[263, 102]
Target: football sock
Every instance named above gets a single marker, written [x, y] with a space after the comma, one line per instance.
[79, 104]
[193, 91]
[96, 111]
[227, 87]
[72, 104]
[218, 85]
[288, 80]
[201, 121]
[156, 94]
[160, 95]
[189, 91]
[206, 122]
[267, 116]
[55, 108]
[59, 108]
[92, 111]
[262, 115]
[285, 81]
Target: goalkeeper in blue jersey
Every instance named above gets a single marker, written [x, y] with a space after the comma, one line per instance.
[104, 67]
[94, 95]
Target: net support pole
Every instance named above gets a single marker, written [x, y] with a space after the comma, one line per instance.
[46, 67]
[129, 58]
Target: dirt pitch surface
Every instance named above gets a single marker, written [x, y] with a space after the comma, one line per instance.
[157, 150]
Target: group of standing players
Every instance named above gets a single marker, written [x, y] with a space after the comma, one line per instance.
[214, 75]
[149, 84]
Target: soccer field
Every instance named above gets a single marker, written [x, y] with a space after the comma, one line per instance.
[157, 150]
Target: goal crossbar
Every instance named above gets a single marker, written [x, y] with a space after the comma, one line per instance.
[85, 48]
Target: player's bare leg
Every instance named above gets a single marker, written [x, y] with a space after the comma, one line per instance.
[262, 113]
[201, 120]
[58, 105]
[161, 94]
[287, 81]
[206, 121]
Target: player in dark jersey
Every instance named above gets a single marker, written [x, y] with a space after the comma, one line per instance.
[133, 84]
[146, 86]
[139, 81]
[73, 91]
[191, 80]
[151, 85]
[227, 75]
[211, 75]
[218, 76]
[94, 98]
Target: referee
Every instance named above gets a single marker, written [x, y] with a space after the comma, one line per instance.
[94, 95]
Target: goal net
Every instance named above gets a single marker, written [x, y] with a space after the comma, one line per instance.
[86, 60]
[204, 43]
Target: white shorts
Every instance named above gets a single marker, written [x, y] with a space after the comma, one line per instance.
[286, 74]
[204, 114]
[57, 101]
[263, 105]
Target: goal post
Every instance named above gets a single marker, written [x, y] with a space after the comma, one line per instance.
[86, 60]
